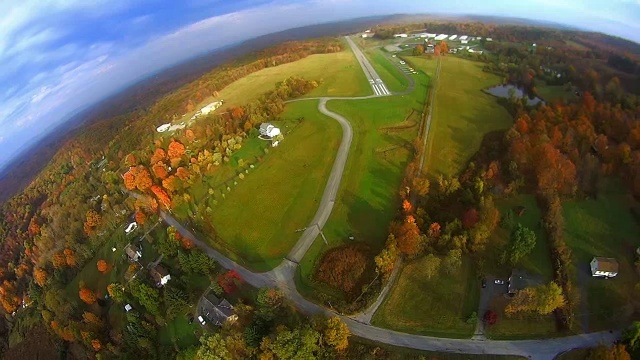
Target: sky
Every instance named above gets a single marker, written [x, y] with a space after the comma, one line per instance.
[59, 56]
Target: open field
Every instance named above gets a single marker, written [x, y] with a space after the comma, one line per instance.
[461, 116]
[604, 227]
[520, 327]
[257, 220]
[338, 74]
[438, 306]
[539, 260]
[367, 200]
[553, 93]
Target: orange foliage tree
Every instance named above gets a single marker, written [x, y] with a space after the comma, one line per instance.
[102, 266]
[406, 206]
[70, 257]
[129, 179]
[160, 170]
[58, 260]
[407, 236]
[169, 183]
[130, 160]
[143, 178]
[96, 345]
[158, 156]
[182, 173]
[40, 276]
[140, 217]
[175, 150]
[87, 295]
[161, 195]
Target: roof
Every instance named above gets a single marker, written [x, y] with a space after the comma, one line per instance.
[217, 310]
[606, 264]
[265, 126]
[131, 251]
[159, 272]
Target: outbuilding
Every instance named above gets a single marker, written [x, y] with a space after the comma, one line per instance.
[604, 267]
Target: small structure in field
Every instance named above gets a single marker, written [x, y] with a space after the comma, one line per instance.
[267, 129]
[128, 307]
[160, 275]
[133, 252]
[604, 267]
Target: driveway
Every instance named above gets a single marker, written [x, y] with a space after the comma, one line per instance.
[486, 295]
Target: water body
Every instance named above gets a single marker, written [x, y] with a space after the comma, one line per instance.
[504, 90]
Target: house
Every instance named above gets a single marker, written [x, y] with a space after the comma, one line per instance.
[604, 267]
[267, 129]
[160, 275]
[133, 252]
[216, 310]
[400, 35]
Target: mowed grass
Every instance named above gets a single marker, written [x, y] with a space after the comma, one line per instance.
[258, 218]
[554, 93]
[539, 260]
[367, 200]
[517, 328]
[462, 114]
[438, 306]
[605, 227]
[338, 74]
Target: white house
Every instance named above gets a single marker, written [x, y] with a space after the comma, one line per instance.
[400, 35]
[211, 107]
[267, 129]
[163, 128]
[604, 267]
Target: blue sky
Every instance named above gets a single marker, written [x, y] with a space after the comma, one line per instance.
[57, 56]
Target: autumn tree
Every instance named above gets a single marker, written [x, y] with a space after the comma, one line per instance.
[386, 260]
[490, 317]
[523, 240]
[470, 218]
[407, 236]
[542, 299]
[130, 160]
[269, 302]
[143, 178]
[336, 333]
[102, 266]
[87, 295]
[342, 267]
[162, 196]
[160, 170]
[70, 257]
[175, 150]
[406, 206]
[40, 276]
[116, 292]
[431, 265]
[420, 185]
[158, 156]
[140, 217]
[129, 179]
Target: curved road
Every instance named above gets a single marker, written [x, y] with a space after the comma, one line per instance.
[282, 277]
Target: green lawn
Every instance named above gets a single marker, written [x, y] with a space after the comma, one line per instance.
[553, 93]
[605, 227]
[367, 200]
[339, 74]
[462, 114]
[539, 260]
[523, 327]
[438, 306]
[258, 218]
[180, 332]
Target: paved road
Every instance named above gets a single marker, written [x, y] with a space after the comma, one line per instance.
[282, 277]
[374, 79]
[367, 314]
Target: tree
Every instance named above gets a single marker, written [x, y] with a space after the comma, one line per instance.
[160, 170]
[158, 156]
[336, 333]
[632, 336]
[523, 240]
[542, 299]
[420, 185]
[146, 296]
[268, 302]
[407, 236]
[162, 196]
[175, 150]
[102, 266]
[116, 292]
[418, 50]
[434, 230]
[490, 317]
[452, 262]
[431, 265]
[70, 257]
[175, 301]
[470, 218]
[40, 276]
[213, 347]
[406, 206]
[300, 343]
[342, 267]
[143, 178]
[87, 295]
[140, 217]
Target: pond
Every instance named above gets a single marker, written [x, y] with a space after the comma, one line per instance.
[504, 90]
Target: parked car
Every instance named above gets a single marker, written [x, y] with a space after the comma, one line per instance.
[201, 319]
[499, 282]
[484, 283]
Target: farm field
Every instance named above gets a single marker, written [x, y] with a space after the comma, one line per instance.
[379, 153]
[439, 306]
[257, 219]
[462, 114]
[604, 227]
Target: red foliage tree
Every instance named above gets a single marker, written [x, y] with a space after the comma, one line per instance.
[229, 281]
[140, 217]
[490, 317]
[470, 218]
[434, 230]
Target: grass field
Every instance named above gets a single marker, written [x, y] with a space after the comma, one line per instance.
[461, 116]
[367, 200]
[553, 93]
[258, 218]
[539, 260]
[517, 328]
[339, 74]
[438, 306]
[604, 227]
